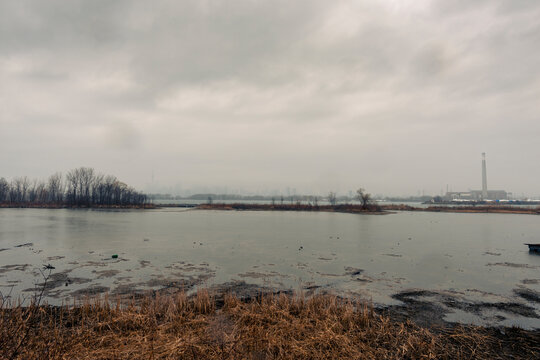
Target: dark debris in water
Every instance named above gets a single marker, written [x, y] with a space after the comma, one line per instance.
[24, 245]
[491, 253]
[353, 271]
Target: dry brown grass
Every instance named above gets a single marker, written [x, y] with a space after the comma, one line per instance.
[268, 327]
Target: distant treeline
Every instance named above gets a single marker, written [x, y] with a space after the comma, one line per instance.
[81, 187]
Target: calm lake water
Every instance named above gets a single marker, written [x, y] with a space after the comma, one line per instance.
[473, 258]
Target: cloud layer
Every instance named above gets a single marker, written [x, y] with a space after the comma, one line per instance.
[394, 96]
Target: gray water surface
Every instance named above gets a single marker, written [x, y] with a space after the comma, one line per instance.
[471, 258]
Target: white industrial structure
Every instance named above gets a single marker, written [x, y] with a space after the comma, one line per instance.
[478, 195]
[484, 178]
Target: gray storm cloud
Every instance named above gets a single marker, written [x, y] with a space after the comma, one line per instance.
[394, 96]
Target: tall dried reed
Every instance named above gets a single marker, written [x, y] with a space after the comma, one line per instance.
[266, 327]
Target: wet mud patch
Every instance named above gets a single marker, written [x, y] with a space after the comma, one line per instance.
[528, 294]
[511, 308]
[24, 245]
[491, 253]
[326, 274]
[144, 263]
[52, 258]
[159, 284]
[353, 271]
[14, 267]
[103, 263]
[429, 308]
[243, 291]
[119, 279]
[188, 267]
[128, 291]
[58, 280]
[90, 291]
[422, 311]
[261, 275]
[103, 274]
[513, 265]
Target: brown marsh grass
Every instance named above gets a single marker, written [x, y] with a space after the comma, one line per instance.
[266, 327]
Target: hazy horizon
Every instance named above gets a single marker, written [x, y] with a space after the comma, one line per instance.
[254, 97]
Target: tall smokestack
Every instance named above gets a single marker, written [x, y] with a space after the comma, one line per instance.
[484, 177]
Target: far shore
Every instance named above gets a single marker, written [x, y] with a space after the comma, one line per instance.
[495, 209]
[370, 208]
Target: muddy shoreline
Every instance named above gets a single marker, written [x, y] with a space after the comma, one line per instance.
[424, 308]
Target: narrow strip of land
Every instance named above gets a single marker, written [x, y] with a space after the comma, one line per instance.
[371, 208]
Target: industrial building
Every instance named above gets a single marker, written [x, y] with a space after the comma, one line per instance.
[478, 195]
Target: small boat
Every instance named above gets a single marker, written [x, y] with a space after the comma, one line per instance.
[534, 247]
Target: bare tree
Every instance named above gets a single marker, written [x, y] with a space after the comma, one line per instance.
[37, 192]
[86, 180]
[332, 199]
[363, 197]
[72, 178]
[18, 189]
[4, 190]
[55, 188]
[32, 191]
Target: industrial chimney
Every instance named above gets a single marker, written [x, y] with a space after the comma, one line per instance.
[484, 178]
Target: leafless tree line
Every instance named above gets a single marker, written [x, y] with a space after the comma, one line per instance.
[361, 195]
[80, 187]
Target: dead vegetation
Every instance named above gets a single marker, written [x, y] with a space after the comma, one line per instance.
[266, 327]
[345, 208]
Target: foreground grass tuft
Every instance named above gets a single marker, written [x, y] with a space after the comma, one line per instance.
[268, 327]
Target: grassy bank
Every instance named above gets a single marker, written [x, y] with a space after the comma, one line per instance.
[268, 327]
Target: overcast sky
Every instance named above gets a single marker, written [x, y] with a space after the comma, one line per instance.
[394, 96]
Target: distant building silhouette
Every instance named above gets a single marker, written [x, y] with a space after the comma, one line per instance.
[478, 195]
